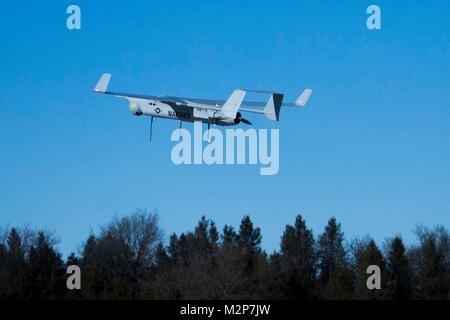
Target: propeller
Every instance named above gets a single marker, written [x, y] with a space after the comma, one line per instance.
[246, 121]
[239, 119]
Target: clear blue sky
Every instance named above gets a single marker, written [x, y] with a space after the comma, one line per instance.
[372, 148]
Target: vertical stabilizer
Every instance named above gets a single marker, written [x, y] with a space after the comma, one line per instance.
[102, 84]
[273, 107]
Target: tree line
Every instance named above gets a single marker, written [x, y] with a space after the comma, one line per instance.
[128, 259]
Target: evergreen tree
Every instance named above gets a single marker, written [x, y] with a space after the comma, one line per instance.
[173, 249]
[335, 275]
[213, 235]
[200, 238]
[253, 259]
[15, 266]
[162, 258]
[94, 278]
[229, 237]
[45, 274]
[400, 285]
[190, 262]
[249, 237]
[297, 262]
[367, 254]
[73, 260]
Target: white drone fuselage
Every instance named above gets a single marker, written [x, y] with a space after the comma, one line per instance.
[188, 113]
